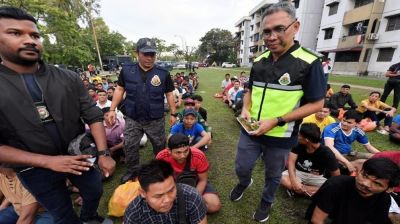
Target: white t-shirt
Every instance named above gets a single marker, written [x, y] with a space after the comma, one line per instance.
[232, 92]
[326, 68]
[225, 83]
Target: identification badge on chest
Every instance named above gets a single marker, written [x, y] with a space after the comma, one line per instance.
[43, 112]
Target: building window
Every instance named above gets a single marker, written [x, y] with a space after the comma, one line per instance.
[347, 56]
[393, 23]
[256, 37]
[328, 33]
[359, 3]
[296, 3]
[358, 28]
[333, 8]
[252, 27]
[385, 54]
[241, 42]
[367, 55]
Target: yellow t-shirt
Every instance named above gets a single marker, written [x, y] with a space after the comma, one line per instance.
[378, 105]
[312, 119]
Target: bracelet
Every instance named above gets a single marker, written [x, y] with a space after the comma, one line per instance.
[111, 110]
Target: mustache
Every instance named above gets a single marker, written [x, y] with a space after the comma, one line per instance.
[31, 48]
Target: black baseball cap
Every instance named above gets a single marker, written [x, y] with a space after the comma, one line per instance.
[188, 112]
[146, 45]
[178, 140]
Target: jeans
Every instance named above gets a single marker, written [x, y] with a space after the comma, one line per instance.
[274, 163]
[9, 216]
[377, 117]
[50, 190]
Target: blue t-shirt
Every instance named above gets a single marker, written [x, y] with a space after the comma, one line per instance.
[192, 133]
[396, 119]
[343, 141]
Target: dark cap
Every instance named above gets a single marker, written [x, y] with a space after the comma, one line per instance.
[178, 140]
[190, 111]
[105, 109]
[189, 101]
[146, 45]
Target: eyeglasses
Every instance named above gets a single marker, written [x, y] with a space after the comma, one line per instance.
[277, 30]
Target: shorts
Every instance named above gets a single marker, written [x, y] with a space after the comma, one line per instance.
[209, 189]
[307, 178]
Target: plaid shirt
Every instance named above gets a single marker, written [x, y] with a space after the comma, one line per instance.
[139, 211]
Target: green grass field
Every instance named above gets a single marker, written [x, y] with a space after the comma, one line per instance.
[221, 156]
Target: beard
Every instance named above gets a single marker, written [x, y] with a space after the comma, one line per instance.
[18, 59]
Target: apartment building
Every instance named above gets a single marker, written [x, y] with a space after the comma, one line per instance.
[360, 36]
[251, 45]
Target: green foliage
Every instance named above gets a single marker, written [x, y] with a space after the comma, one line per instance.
[66, 30]
[218, 45]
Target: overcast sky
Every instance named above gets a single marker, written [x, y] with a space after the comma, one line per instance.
[175, 21]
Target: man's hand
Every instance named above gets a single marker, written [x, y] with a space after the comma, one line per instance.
[106, 165]
[172, 120]
[69, 164]
[389, 113]
[350, 167]
[245, 114]
[264, 126]
[111, 117]
[298, 187]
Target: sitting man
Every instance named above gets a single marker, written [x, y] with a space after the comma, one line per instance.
[357, 200]
[159, 199]
[102, 99]
[22, 206]
[198, 100]
[189, 127]
[376, 110]
[308, 163]
[394, 134]
[177, 155]
[339, 100]
[322, 118]
[339, 137]
[231, 96]
[190, 104]
[225, 82]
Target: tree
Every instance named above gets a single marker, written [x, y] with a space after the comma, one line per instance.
[217, 45]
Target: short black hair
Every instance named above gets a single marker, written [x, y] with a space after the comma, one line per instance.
[105, 109]
[326, 104]
[10, 12]
[227, 74]
[153, 172]
[197, 97]
[375, 92]
[352, 114]
[112, 88]
[383, 168]
[311, 132]
[101, 91]
[345, 86]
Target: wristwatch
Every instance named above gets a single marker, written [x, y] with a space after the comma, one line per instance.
[281, 122]
[105, 152]
[175, 114]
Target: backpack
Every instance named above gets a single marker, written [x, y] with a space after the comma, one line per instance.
[188, 176]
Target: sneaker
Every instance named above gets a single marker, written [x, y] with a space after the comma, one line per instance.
[237, 192]
[382, 131]
[261, 215]
[290, 193]
[126, 177]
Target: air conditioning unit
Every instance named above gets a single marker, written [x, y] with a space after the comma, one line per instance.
[373, 36]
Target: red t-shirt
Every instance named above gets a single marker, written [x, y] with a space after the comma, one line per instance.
[392, 155]
[198, 161]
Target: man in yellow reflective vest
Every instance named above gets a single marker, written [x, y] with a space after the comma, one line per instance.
[286, 84]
